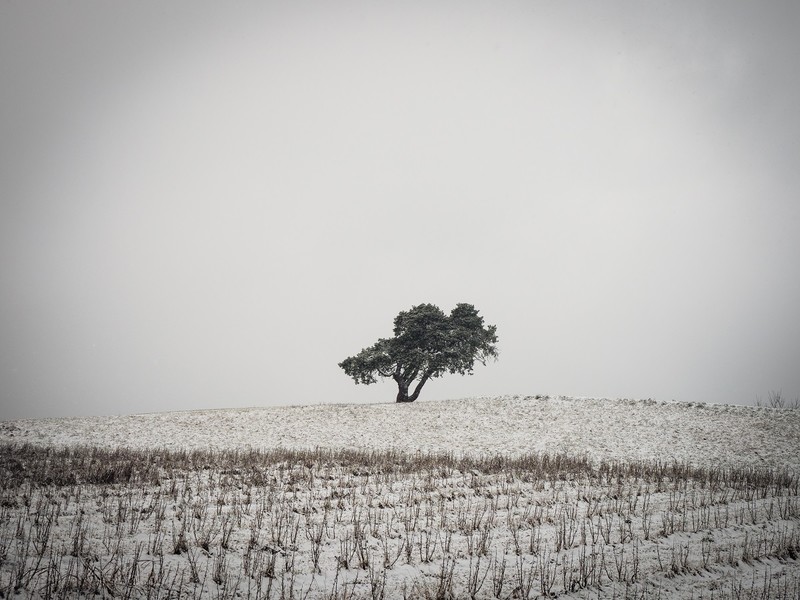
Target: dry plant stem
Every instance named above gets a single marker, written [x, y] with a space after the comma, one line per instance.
[324, 524]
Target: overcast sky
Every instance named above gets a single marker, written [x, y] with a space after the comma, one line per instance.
[211, 204]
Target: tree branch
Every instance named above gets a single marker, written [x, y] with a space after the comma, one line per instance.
[411, 375]
[418, 388]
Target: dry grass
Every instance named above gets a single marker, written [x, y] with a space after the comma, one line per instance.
[367, 524]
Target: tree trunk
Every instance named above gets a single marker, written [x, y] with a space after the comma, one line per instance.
[402, 389]
[402, 392]
[418, 389]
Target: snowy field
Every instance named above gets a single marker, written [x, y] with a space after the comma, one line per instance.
[701, 434]
[512, 497]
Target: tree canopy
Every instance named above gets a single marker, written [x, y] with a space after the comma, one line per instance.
[427, 343]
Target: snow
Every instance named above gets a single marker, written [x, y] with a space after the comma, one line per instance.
[604, 429]
[703, 535]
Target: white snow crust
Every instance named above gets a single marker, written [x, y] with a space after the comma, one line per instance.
[715, 526]
[602, 429]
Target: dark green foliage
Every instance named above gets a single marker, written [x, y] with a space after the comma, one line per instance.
[427, 343]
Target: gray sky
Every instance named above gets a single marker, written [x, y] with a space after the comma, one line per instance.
[212, 204]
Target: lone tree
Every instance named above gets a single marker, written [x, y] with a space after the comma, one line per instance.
[427, 343]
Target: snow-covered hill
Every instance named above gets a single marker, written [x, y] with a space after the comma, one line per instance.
[318, 525]
[610, 429]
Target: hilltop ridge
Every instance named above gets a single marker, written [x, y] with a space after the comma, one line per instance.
[602, 429]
